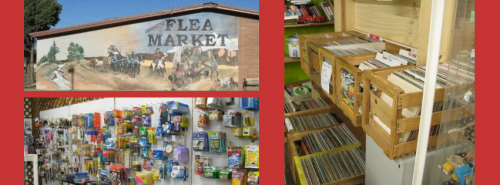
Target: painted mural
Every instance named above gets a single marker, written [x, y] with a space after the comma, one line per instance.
[196, 52]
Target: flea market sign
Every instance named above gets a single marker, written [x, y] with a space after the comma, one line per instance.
[186, 25]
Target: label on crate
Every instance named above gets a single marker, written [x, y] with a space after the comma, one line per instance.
[410, 54]
[390, 59]
[288, 124]
[326, 76]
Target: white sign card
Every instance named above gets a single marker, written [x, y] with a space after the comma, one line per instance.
[326, 76]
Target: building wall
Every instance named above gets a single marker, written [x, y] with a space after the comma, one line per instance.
[236, 57]
[248, 31]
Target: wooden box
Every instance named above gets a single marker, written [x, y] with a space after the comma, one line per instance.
[296, 151]
[392, 116]
[325, 55]
[351, 101]
[305, 39]
[402, 22]
[293, 132]
[307, 112]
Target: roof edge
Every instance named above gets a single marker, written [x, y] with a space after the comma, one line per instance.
[112, 22]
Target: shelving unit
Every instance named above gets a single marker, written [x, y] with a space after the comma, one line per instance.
[310, 24]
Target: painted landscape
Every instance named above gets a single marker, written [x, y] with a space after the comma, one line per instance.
[162, 55]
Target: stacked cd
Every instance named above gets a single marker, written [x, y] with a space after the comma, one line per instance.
[353, 51]
[329, 139]
[301, 123]
[332, 167]
[305, 105]
[312, 104]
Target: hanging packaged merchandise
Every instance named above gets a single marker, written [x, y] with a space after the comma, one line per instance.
[253, 178]
[135, 149]
[232, 119]
[109, 120]
[217, 141]
[135, 120]
[118, 157]
[127, 126]
[237, 132]
[136, 166]
[168, 147]
[183, 121]
[248, 131]
[177, 107]
[235, 157]
[249, 103]
[119, 125]
[97, 120]
[151, 135]
[100, 160]
[81, 120]
[168, 168]
[200, 164]
[238, 177]
[161, 169]
[117, 113]
[211, 172]
[181, 154]
[203, 120]
[85, 150]
[99, 136]
[214, 102]
[122, 142]
[156, 174]
[143, 132]
[74, 119]
[248, 118]
[200, 103]
[252, 156]
[127, 114]
[144, 153]
[216, 115]
[137, 111]
[95, 152]
[159, 131]
[200, 141]
[89, 120]
[225, 174]
[158, 155]
[146, 120]
[143, 142]
[110, 143]
[143, 109]
[131, 139]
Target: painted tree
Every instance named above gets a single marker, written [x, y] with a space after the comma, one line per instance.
[51, 56]
[75, 52]
[39, 15]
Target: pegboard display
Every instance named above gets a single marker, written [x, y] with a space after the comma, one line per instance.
[219, 159]
[109, 104]
[155, 103]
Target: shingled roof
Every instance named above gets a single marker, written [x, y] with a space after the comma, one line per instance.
[231, 10]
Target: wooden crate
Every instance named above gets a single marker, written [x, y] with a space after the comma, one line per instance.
[392, 117]
[305, 39]
[403, 22]
[294, 133]
[348, 65]
[308, 112]
[293, 143]
[324, 54]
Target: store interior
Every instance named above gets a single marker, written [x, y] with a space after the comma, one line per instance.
[142, 141]
[379, 92]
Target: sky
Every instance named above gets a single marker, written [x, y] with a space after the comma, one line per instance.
[75, 12]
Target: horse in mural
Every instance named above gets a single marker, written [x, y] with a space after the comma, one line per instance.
[132, 64]
[158, 64]
[116, 58]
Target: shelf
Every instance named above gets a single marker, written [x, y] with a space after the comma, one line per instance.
[291, 60]
[310, 24]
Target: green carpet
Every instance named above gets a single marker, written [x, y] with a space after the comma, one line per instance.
[294, 73]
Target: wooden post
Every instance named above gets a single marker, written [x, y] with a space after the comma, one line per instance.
[31, 68]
